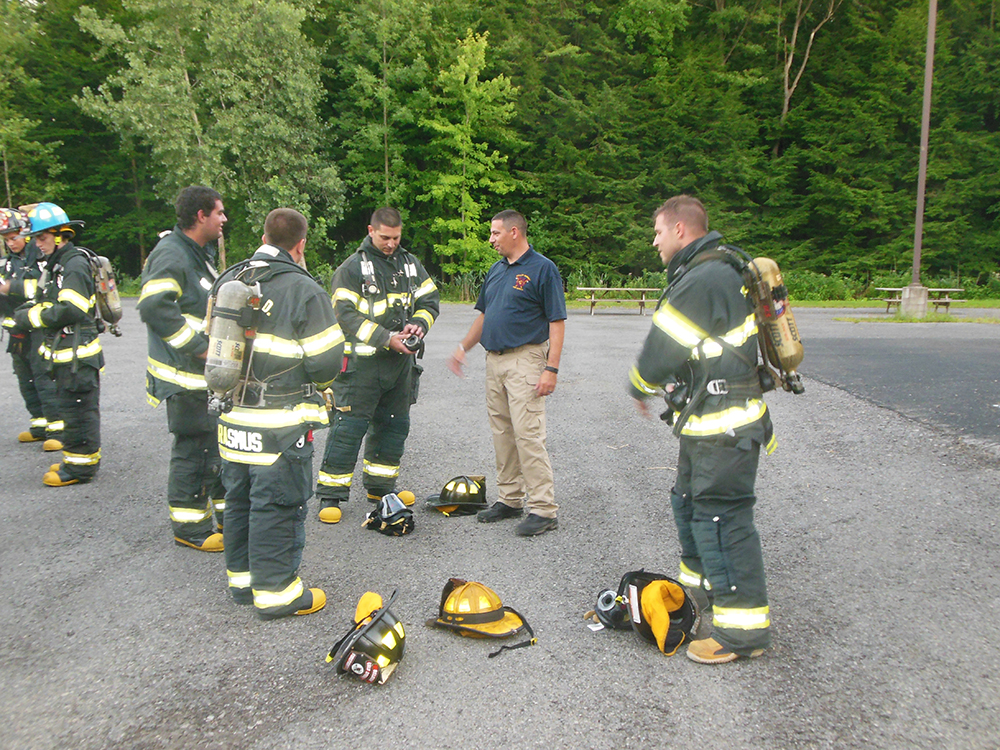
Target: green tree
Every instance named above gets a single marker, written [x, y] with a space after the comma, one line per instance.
[30, 166]
[225, 95]
[469, 121]
[383, 69]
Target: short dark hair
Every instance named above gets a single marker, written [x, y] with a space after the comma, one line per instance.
[687, 209]
[285, 227]
[191, 200]
[512, 218]
[386, 217]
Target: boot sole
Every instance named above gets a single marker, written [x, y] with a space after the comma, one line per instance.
[725, 658]
[540, 530]
[184, 543]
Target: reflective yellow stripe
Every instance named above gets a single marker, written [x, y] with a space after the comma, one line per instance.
[736, 337]
[323, 341]
[188, 380]
[362, 350]
[276, 418]
[159, 286]
[35, 313]
[179, 339]
[30, 288]
[266, 343]
[669, 320]
[347, 295]
[334, 480]
[198, 324]
[8, 322]
[241, 457]
[425, 316]
[57, 426]
[81, 459]
[265, 599]
[190, 515]
[366, 330]
[76, 299]
[772, 445]
[39, 422]
[426, 288]
[641, 385]
[689, 578]
[381, 470]
[238, 580]
[723, 421]
[63, 356]
[757, 618]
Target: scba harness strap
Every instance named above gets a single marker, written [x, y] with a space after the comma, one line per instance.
[758, 379]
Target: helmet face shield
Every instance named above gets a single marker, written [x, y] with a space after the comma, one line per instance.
[372, 649]
[390, 517]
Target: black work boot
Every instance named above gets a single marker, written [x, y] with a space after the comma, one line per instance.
[499, 512]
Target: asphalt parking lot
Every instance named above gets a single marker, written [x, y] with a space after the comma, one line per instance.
[878, 516]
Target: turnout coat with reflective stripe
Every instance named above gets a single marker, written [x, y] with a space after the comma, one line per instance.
[708, 300]
[298, 342]
[369, 320]
[22, 271]
[66, 310]
[176, 280]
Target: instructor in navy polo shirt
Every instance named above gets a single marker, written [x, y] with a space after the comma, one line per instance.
[521, 325]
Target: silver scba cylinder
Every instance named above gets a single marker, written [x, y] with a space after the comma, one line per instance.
[227, 341]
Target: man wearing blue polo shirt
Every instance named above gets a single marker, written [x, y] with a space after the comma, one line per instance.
[521, 325]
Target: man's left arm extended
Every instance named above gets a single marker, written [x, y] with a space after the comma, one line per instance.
[547, 380]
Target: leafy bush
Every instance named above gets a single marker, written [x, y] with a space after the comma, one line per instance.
[129, 286]
[463, 287]
[809, 285]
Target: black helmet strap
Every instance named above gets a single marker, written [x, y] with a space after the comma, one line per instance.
[531, 641]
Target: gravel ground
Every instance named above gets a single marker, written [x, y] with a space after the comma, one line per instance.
[879, 531]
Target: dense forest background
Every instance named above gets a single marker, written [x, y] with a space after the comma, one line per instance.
[796, 121]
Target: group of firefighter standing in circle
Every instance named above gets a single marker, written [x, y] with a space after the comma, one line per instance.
[241, 469]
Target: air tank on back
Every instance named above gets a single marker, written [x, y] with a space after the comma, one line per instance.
[784, 347]
[227, 341]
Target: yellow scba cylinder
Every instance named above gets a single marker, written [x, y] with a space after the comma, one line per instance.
[227, 341]
[784, 347]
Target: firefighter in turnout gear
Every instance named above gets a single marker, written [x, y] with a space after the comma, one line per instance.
[66, 312]
[176, 280]
[382, 297]
[266, 438]
[19, 274]
[703, 343]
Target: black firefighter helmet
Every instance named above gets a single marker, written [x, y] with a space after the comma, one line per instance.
[374, 645]
[461, 496]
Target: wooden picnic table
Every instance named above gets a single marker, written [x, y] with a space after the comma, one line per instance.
[620, 294]
[937, 296]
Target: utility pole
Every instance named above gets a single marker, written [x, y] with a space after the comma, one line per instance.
[914, 297]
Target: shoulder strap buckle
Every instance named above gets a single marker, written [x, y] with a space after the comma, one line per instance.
[717, 387]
